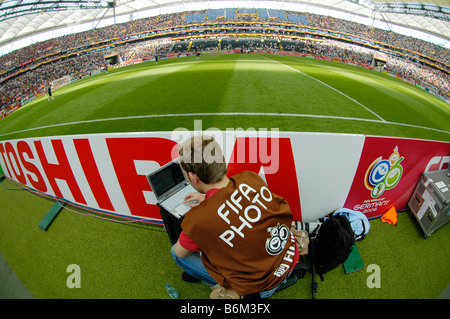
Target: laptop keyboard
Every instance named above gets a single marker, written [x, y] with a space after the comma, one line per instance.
[177, 198]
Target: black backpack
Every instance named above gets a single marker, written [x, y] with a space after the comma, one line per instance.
[330, 247]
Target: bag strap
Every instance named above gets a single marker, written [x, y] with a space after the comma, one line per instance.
[363, 234]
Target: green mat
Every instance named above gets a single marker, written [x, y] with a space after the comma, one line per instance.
[354, 261]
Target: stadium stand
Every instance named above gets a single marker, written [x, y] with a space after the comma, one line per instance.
[277, 14]
[25, 73]
[230, 13]
[213, 14]
[262, 14]
[298, 18]
[194, 17]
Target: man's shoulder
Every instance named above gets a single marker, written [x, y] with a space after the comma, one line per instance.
[247, 175]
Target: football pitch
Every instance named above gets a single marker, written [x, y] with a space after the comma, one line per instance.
[236, 91]
[132, 260]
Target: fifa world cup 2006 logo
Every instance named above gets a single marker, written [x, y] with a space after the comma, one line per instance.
[384, 174]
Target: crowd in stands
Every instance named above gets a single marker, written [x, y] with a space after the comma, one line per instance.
[341, 50]
[34, 80]
[383, 36]
[144, 50]
[423, 75]
[313, 20]
[416, 73]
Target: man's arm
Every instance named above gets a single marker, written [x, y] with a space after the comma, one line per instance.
[180, 251]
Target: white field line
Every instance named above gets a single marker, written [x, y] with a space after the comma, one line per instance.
[330, 87]
[226, 114]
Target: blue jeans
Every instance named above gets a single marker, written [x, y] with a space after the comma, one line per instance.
[193, 265]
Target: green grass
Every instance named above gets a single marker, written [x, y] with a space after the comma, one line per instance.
[121, 261]
[236, 83]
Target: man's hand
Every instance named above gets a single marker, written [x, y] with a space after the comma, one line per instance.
[194, 199]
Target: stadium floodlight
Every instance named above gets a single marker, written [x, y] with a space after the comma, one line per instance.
[430, 10]
[431, 7]
[413, 6]
[366, 3]
[16, 8]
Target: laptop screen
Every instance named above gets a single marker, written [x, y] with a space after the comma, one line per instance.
[167, 178]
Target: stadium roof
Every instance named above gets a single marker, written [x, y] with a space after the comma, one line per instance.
[24, 18]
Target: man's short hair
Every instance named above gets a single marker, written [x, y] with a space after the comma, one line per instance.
[202, 155]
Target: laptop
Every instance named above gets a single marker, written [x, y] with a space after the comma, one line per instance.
[170, 187]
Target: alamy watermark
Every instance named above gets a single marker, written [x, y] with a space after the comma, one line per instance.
[238, 145]
[74, 279]
[374, 279]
